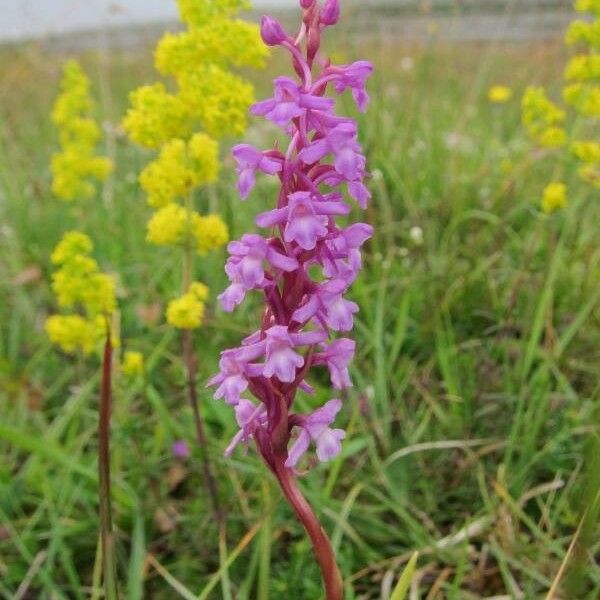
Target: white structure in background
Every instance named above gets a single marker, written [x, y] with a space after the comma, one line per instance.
[21, 19]
[492, 19]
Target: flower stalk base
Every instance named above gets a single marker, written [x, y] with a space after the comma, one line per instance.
[105, 508]
[332, 578]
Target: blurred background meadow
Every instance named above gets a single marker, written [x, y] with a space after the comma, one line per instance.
[473, 422]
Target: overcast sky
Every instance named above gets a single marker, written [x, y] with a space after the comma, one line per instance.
[24, 18]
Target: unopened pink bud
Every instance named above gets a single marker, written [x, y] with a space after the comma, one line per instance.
[271, 31]
[331, 12]
[306, 4]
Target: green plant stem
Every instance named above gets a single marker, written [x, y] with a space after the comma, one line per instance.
[332, 578]
[111, 591]
[190, 364]
[189, 360]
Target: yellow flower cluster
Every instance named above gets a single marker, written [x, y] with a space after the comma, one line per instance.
[224, 40]
[76, 166]
[173, 225]
[588, 152]
[79, 285]
[184, 122]
[168, 226]
[499, 94]
[543, 119]
[210, 232]
[219, 98]
[591, 6]
[133, 364]
[554, 197]
[584, 32]
[187, 312]
[199, 12]
[583, 90]
[74, 333]
[156, 116]
[207, 95]
[78, 281]
[179, 168]
[583, 67]
[582, 73]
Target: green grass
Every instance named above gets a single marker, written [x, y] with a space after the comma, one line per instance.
[476, 390]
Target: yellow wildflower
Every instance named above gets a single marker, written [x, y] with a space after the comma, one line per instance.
[167, 178]
[179, 168]
[545, 121]
[208, 95]
[100, 295]
[76, 167]
[553, 137]
[586, 151]
[71, 244]
[592, 6]
[584, 98]
[92, 290]
[218, 98]
[206, 103]
[73, 333]
[498, 94]
[554, 197]
[133, 364]
[168, 226]
[186, 312]
[79, 282]
[156, 116]
[211, 233]
[70, 281]
[199, 12]
[203, 153]
[74, 99]
[542, 117]
[200, 290]
[583, 32]
[583, 67]
[225, 41]
[72, 172]
[590, 173]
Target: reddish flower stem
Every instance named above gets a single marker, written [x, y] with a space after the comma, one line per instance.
[111, 591]
[332, 578]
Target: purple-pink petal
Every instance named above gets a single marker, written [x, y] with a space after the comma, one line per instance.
[299, 447]
[314, 152]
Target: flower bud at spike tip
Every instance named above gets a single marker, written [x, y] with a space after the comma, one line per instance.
[331, 12]
[271, 31]
[306, 3]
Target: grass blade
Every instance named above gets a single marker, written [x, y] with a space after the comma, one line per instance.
[403, 584]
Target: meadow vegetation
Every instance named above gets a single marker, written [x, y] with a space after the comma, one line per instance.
[476, 378]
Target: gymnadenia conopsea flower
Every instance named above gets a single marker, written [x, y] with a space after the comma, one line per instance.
[302, 267]
[546, 122]
[76, 167]
[205, 103]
